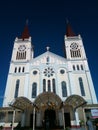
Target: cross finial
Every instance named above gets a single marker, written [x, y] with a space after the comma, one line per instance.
[47, 48]
[67, 20]
[27, 21]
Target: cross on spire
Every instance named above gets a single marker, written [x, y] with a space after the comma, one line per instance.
[47, 48]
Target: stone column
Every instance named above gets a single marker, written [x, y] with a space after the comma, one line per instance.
[34, 118]
[76, 118]
[13, 119]
[63, 118]
[23, 119]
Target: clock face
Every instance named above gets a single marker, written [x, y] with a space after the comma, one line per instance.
[21, 47]
[74, 46]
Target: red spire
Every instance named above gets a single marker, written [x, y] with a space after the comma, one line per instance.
[69, 31]
[25, 33]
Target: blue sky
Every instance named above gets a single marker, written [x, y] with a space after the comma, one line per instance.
[47, 27]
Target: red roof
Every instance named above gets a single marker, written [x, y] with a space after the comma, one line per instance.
[69, 31]
[25, 33]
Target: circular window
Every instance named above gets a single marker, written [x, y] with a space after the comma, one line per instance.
[62, 71]
[48, 72]
[34, 72]
[74, 46]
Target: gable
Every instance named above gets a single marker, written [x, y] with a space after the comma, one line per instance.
[48, 58]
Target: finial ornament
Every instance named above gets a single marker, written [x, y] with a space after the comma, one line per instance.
[47, 48]
[27, 21]
[67, 20]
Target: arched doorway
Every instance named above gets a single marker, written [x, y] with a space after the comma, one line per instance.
[71, 110]
[48, 105]
[50, 118]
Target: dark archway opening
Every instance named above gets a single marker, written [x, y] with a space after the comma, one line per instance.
[67, 120]
[31, 120]
[50, 118]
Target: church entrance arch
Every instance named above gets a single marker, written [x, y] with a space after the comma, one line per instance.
[47, 103]
[71, 109]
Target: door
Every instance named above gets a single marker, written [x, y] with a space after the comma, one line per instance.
[31, 120]
[50, 118]
[67, 120]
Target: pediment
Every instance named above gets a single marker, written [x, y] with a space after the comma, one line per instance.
[48, 58]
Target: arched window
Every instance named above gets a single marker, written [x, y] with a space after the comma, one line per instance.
[23, 69]
[77, 67]
[48, 59]
[53, 84]
[34, 89]
[81, 87]
[81, 67]
[17, 88]
[64, 89]
[21, 57]
[73, 67]
[15, 69]
[44, 85]
[19, 69]
[49, 86]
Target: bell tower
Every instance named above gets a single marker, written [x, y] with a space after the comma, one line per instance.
[23, 50]
[74, 48]
[78, 67]
[18, 76]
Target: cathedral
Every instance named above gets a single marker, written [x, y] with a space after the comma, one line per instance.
[48, 88]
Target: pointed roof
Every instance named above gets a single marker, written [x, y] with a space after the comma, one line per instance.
[25, 33]
[69, 31]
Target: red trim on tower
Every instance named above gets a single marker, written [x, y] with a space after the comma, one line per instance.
[25, 33]
[69, 31]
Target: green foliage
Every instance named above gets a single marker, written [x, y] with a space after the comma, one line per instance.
[67, 128]
[81, 123]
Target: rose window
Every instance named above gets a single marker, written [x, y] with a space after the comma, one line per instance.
[48, 72]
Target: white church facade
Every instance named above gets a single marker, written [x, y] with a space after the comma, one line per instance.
[48, 87]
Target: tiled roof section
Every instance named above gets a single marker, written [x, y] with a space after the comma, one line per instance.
[69, 31]
[25, 33]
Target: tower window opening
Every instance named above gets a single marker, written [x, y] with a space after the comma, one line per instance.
[75, 53]
[82, 67]
[77, 67]
[23, 69]
[73, 67]
[21, 55]
[15, 69]
[19, 70]
[79, 53]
